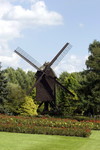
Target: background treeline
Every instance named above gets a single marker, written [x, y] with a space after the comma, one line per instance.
[13, 97]
[85, 85]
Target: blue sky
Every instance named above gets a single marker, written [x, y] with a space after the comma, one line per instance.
[41, 28]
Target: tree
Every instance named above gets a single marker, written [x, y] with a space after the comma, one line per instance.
[93, 79]
[16, 97]
[93, 62]
[67, 103]
[28, 107]
[3, 90]
[18, 103]
[10, 73]
[20, 77]
[82, 91]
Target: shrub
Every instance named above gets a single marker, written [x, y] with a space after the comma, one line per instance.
[28, 107]
[53, 126]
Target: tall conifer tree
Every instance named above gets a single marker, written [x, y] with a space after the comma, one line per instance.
[3, 90]
[93, 78]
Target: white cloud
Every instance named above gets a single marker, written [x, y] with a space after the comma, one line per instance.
[9, 30]
[38, 14]
[71, 63]
[10, 61]
[15, 18]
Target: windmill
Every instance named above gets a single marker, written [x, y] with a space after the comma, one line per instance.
[46, 79]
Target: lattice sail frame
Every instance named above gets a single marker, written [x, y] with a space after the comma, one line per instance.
[28, 58]
[61, 56]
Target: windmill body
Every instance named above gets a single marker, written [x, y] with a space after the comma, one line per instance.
[46, 79]
[45, 89]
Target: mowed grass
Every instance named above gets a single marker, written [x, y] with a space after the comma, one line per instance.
[17, 141]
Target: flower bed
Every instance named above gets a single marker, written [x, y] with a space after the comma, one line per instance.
[53, 126]
[95, 124]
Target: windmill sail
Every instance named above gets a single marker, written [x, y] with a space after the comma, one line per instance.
[28, 58]
[61, 54]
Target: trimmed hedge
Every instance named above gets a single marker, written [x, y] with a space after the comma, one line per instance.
[46, 130]
[44, 125]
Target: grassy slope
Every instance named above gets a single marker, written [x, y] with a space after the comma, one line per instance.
[16, 141]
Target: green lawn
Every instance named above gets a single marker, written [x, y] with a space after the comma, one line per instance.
[17, 141]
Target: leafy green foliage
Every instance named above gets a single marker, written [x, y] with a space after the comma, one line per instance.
[20, 77]
[85, 86]
[93, 78]
[18, 103]
[3, 90]
[67, 102]
[16, 97]
[28, 107]
[93, 62]
[45, 125]
[81, 78]
[19, 83]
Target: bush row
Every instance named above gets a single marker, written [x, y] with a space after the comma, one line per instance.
[45, 130]
[86, 118]
[44, 125]
[95, 124]
[46, 122]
